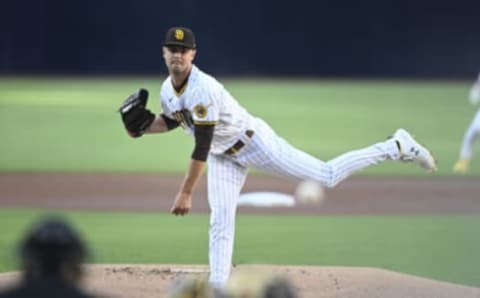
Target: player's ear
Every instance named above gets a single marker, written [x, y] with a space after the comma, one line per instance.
[194, 52]
[164, 51]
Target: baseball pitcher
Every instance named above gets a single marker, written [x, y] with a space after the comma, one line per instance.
[231, 141]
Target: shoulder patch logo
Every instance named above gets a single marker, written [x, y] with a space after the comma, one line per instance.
[200, 111]
[179, 34]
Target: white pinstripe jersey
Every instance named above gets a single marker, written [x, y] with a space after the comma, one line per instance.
[203, 100]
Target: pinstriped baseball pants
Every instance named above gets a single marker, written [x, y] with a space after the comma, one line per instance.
[268, 152]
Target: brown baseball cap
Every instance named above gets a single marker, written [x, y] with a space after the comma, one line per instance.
[180, 36]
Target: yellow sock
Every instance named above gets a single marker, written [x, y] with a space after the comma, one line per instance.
[461, 166]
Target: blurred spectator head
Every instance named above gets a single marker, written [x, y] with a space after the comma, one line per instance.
[191, 287]
[257, 284]
[52, 248]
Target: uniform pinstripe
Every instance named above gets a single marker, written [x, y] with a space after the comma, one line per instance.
[265, 150]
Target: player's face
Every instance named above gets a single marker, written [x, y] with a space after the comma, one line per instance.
[178, 59]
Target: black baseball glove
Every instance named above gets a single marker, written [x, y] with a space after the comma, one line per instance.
[135, 116]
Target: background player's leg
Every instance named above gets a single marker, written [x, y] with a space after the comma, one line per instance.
[225, 180]
[469, 138]
[466, 151]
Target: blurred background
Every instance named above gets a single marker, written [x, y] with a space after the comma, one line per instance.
[373, 38]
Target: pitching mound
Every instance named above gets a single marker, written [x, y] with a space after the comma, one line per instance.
[154, 281]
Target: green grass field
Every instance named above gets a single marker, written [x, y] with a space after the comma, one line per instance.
[72, 124]
[443, 248]
[53, 124]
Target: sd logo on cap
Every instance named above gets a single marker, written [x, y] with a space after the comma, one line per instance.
[180, 36]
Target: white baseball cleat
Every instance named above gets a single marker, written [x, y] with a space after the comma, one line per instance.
[412, 151]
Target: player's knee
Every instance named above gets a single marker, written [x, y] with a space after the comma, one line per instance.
[222, 220]
[332, 179]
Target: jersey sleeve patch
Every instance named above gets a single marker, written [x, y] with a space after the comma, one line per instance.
[205, 113]
[200, 111]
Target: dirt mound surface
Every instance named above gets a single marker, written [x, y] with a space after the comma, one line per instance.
[135, 281]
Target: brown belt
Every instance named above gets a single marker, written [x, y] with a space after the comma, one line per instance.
[239, 144]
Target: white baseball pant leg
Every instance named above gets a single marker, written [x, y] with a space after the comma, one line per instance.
[272, 154]
[469, 138]
[268, 152]
[225, 180]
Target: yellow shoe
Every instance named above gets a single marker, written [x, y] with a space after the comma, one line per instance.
[461, 166]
